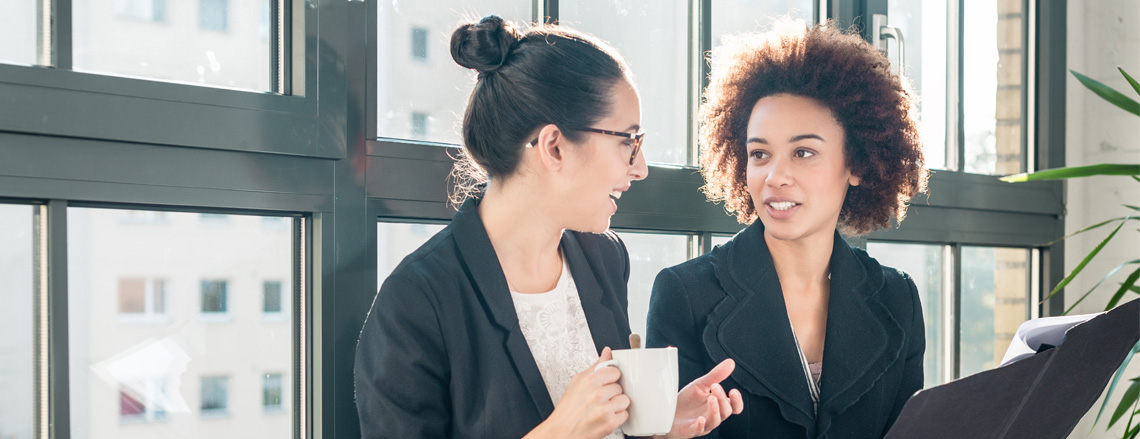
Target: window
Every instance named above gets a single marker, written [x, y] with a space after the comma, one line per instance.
[271, 392]
[271, 297]
[995, 301]
[925, 265]
[652, 36]
[419, 44]
[212, 15]
[992, 87]
[215, 395]
[142, 297]
[924, 26]
[394, 241]
[145, 10]
[17, 293]
[649, 253]
[429, 84]
[150, 376]
[419, 125]
[214, 219]
[214, 299]
[18, 32]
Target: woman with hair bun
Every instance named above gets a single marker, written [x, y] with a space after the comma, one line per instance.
[804, 131]
[495, 326]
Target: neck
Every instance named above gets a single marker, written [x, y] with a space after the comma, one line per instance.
[803, 264]
[523, 235]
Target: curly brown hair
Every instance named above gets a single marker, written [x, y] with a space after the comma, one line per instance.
[848, 76]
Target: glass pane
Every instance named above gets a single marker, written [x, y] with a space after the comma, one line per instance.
[420, 91]
[652, 36]
[191, 362]
[201, 42]
[924, 265]
[923, 25]
[735, 16]
[18, 32]
[394, 241]
[720, 240]
[17, 352]
[992, 87]
[649, 253]
[995, 300]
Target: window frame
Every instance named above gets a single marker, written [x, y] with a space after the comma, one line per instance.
[40, 98]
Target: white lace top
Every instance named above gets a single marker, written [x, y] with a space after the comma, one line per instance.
[559, 338]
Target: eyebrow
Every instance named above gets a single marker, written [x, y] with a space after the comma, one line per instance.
[792, 140]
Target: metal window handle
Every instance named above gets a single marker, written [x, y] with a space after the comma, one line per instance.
[881, 31]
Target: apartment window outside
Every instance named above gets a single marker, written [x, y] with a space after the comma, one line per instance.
[143, 10]
[17, 345]
[419, 44]
[215, 395]
[272, 393]
[214, 297]
[213, 15]
[142, 297]
[419, 125]
[271, 297]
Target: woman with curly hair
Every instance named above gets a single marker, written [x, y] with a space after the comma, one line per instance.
[806, 134]
[496, 326]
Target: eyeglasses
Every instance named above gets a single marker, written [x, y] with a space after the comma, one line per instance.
[635, 137]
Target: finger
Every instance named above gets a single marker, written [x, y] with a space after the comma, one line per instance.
[717, 374]
[619, 403]
[737, 401]
[724, 404]
[609, 391]
[697, 428]
[605, 375]
[712, 411]
[606, 355]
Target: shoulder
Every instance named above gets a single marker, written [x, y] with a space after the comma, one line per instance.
[604, 245]
[898, 291]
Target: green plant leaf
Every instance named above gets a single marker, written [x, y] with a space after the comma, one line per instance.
[1112, 96]
[1115, 380]
[1137, 208]
[1131, 81]
[1135, 289]
[1128, 283]
[1136, 178]
[1126, 403]
[1094, 287]
[1094, 226]
[1083, 263]
[1075, 172]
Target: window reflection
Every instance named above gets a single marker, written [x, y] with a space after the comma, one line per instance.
[924, 265]
[17, 351]
[649, 253]
[149, 355]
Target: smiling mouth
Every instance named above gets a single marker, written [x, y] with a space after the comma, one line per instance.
[615, 195]
[782, 205]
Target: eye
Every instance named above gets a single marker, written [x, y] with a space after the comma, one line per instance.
[804, 153]
[758, 154]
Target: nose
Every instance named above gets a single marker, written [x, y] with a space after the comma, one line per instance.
[779, 173]
[640, 169]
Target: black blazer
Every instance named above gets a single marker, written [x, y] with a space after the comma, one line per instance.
[441, 353]
[728, 304]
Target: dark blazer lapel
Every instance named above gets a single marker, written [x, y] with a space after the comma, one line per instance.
[603, 323]
[862, 338]
[751, 326]
[486, 274]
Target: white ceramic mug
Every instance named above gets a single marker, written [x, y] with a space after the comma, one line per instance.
[649, 379]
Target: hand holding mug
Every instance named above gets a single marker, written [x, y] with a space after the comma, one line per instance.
[592, 407]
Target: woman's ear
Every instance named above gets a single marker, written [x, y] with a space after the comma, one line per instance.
[854, 180]
[549, 147]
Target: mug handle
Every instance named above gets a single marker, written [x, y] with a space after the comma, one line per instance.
[607, 363]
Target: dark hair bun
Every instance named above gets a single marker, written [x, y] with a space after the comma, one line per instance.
[483, 46]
